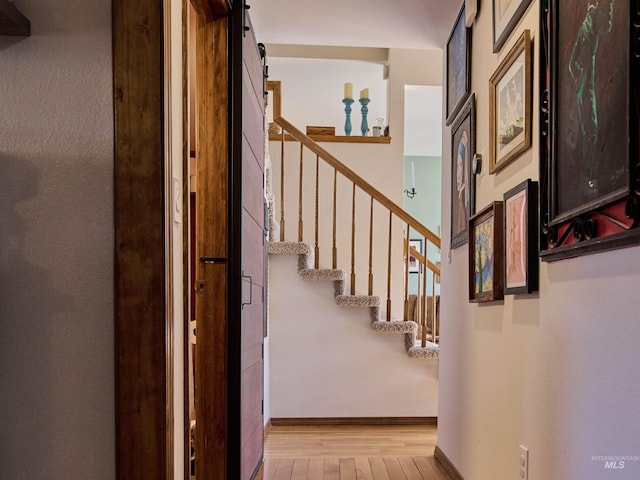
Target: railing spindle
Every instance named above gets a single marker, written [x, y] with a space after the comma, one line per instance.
[282, 187]
[423, 320]
[434, 316]
[418, 308]
[371, 249]
[317, 248]
[300, 194]
[334, 252]
[389, 269]
[406, 255]
[353, 241]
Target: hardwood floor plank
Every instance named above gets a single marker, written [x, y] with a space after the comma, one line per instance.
[394, 469]
[284, 469]
[410, 469]
[316, 469]
[331, 468]
[363, 469]
[352, 453]
[348, 469]
[378, 469]
[300, 469]
[425, 468]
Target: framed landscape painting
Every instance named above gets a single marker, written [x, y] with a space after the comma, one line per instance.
[458, 55]
[463, 184]
[590, 102]
[510, 100]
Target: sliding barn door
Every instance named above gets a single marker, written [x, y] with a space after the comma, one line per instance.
[248, 218]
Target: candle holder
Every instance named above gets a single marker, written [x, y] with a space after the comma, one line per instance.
[347, 110]
[364, 126]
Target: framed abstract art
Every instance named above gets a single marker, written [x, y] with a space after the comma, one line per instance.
[590, 104]
[486, 255]
[521, 238]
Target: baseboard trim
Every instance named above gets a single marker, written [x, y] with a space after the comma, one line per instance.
[267, 428]
[334, 421]
[447, 464]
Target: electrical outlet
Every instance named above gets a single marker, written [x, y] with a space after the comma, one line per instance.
[524, 463]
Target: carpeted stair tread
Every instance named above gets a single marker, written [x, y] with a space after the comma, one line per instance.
[395, 327]
[289, 248]
[358, 300]
[431, 350]
[322, 274]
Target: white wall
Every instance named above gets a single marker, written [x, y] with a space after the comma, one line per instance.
[313, 89]
[379, 164]
[556, 371]
[56, 244]
[326, 361]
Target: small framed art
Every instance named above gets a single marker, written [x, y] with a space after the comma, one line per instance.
[521, 238]
[486, 254]
[463, 183]
[458, 54]
[414, 265]
[506, 15]
[510, 100]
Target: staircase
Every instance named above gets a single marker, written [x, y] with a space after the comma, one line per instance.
[306, 272]
[420, 317]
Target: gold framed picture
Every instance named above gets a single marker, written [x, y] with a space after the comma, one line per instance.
[510, 104]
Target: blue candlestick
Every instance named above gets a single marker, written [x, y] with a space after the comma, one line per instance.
[347, 110]
[364, 126]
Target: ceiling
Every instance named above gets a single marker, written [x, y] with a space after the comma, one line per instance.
[356, 23]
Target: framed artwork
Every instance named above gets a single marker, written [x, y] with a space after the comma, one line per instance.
[506, 15]
[590, 104]
[510, 100]
[414, 265]
[458, 54]
[463, 183]
[486, 255]
[521, 238]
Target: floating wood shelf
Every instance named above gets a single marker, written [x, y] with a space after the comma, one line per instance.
[334, 138]
[12, 22]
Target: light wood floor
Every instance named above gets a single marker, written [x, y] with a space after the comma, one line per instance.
[352, 453]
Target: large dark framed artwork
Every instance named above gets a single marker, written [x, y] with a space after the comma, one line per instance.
[458, 54]
[486, 254]
[506, 15]
[520, 207]
[590, 103]
[510, 100]
[463, 184]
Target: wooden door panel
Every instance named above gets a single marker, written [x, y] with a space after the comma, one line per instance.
[252, 250]
[252, 177]
[252, 316]
[253, 65]
[253, 116]
[253, 256]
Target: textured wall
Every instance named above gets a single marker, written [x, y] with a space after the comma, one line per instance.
[556, 371]
[56, 244]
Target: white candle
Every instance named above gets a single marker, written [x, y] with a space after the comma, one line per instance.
[413, 176]
[348, 90]
[364, 93]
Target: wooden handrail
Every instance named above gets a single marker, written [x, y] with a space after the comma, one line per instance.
[420, 258]
[359, 181]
